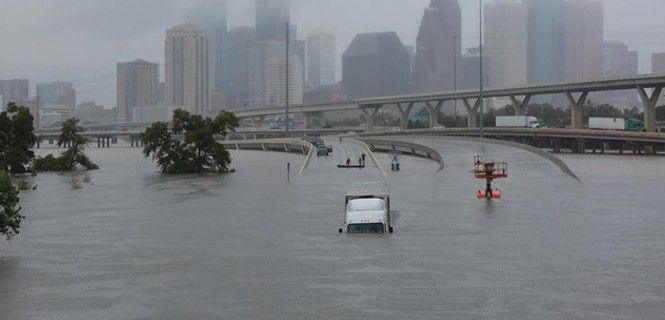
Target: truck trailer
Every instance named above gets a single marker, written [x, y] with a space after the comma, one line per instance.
[517, 122]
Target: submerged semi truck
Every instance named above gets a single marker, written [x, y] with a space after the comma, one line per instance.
[367, 209]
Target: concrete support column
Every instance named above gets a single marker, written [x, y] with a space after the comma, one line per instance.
[99, 142]
[433, 112]
[649, 102]
[576, 105]
[404, 114]
[472, 119]
[370, 116]
[520, 106]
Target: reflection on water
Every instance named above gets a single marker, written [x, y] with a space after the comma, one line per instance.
[139, 245]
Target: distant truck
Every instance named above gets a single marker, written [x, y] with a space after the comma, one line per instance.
[618, 124]
[367, 209]
[517, 122]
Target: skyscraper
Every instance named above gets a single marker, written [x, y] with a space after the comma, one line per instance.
[584, 40]
[137, 86]
[211, 17]
[271, 19]
[187, 68]
[658, 63]
[60, 93]
[618, 61]
[506, 43]
[438, 47]
[267, 75]
[239, 42]
[320, 58]
[15, 90]
[375, 64]
[545, 41]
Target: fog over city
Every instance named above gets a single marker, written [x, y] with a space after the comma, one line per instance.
[82, 40]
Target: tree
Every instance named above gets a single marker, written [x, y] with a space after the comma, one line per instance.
[10, 217]
[189, 145]
[70, 137]
[17, 137]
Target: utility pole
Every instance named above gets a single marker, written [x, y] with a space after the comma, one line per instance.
[480, 47]
[288, 40]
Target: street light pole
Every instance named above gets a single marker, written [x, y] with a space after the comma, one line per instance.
[455, 74]
[287, 77]
[480, 47]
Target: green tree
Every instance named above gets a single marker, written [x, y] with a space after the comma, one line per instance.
[71, 138]
[17, 137]
[10, 217]
[189, 145]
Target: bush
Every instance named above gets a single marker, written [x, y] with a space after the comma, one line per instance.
[10, 217]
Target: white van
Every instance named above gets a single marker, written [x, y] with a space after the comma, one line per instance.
[367, 209]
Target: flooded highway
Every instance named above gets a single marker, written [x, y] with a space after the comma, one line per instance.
[135, 244]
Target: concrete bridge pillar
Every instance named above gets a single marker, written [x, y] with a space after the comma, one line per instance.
[576, 106]
[649, 102]
[472, 119]
[99, 142]
[520, 106]
[433, 111]
[370, 117]
[404, 114]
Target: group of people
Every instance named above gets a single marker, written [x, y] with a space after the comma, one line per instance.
[361, 160]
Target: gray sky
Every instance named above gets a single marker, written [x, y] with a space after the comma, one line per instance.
[82, 40]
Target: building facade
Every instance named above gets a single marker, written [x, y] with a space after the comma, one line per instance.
[271, 19]
[375, 64]
[584, 40]
[505, 43]
[618, 61]
[187, 68]
[658, 63]
[438, 47]
[239, 42]
[137, 86]
[267, 75]
[15, 90]
[56, 94]
[320, 58]
[211, 17]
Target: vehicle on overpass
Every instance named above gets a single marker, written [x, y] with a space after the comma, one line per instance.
[322, 150]
[367, 209]
[517, 122]
[620, 124]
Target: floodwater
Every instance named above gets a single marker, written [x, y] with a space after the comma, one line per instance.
[134, 244]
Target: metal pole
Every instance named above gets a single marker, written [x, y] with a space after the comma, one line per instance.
[455, 75]
[480, 47]
[287, 77]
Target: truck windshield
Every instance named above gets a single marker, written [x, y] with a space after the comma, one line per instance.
[366, 228]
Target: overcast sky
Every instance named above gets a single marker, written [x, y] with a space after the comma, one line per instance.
[82, 40]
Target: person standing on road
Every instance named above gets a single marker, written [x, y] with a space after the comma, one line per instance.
[348, 162]
[364, 156]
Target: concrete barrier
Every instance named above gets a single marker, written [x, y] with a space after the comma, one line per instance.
[290, 145]
[405, 147]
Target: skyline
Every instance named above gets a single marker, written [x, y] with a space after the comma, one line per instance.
[93, 72]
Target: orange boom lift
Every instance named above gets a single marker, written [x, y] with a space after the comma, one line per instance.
[489, 170]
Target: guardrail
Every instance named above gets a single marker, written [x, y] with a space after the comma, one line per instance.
[278, 145]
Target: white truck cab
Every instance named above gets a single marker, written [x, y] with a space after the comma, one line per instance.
[367, 209]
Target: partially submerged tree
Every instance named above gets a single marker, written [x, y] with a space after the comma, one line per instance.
[10, 217]
[71, 138]
[17, 137]
[189, 145]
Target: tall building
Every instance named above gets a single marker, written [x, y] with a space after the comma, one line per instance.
[15, 90]
[187, 68]
[583, 40]
[375, 64]
[239, 42]
[505, 43]
[137, 86]
[271, 19]
[320, 58]
[658, 63]
[267, 75]
[545, 41]
[618, 61]
[57, 94]
[469, 71]
[211, 17]
[438, 47]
